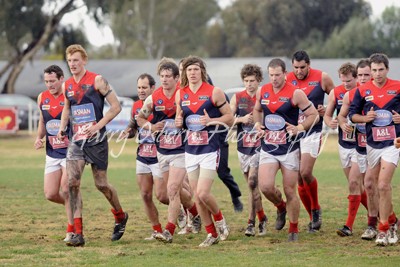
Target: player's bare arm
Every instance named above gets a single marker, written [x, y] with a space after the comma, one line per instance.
[330, 109]
[220, 101]
[64, 116]
[301, 101]
[41, 132]
[342, 116]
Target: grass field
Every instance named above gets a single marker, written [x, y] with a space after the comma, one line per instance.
[32, 229]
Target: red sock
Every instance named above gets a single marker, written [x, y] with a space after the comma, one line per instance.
[157, 228]
[70, 228]
[261, 215]
[250, 221]
[293, 227]
[170, 227]
[313, 186]
[281, 206]
[193, 210]
[218, 216]
[118, 215]
[392, 218]
[383, 227]
[211, 230]
[305, 198]
[372, 221]
[364, 199]
[78, 226]
[354, 204]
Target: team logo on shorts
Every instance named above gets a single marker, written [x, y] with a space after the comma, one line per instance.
[186, 96]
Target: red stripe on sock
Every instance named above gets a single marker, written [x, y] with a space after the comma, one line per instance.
[218, 216]
[354, 204]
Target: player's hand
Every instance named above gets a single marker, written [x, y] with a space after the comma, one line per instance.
[38, 143]
[396, 117]
[179, 120]
[397, 142]
[371, 115]
[321, 110]
[333, 124]
[347, 128]
[205, 119]
[248, 119]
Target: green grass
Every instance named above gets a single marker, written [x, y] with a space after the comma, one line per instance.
[32, 229]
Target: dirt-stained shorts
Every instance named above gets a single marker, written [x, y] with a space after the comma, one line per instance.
[248, 161]
[96, 155]
[175, 160]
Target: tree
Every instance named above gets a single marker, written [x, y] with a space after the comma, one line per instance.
[172, 28]
[274, 27]
[28, 29]
[388, 31]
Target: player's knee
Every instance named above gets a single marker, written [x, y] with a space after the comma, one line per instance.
[146, 196]
[253, 182]
[384, 187]
[102, 187]
[353, 185]
[203, 196]
[51, 195]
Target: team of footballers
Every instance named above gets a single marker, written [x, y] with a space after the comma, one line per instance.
[279, 127]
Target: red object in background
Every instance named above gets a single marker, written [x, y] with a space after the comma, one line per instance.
[8, 120]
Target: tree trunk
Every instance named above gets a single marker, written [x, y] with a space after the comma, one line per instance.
[34, 46]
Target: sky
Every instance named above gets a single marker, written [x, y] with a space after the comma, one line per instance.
[102, 36]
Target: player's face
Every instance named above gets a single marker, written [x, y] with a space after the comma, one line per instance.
[143, 88]
[300, 69]
[76, 63]
[348, 81]
[379, 73]
[251, 84]
[168, 81]
[193, 73]
[277, 77]
[363, 74]
[52, 83]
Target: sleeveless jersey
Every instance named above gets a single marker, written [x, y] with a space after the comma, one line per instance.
[382, 130]
[345, 140]
[311, 86]
[171, 139]
[361, 137]
[278, 109]
[200, 139]
[146, 151]
[247, 142]
[51, 111]
[87, 105]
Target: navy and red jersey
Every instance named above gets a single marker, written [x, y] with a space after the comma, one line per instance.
[200, 139]
[51, 109]
[247, 141]
[382, 130]
[345, 140]
[171, 139]
[361, 137]
[312, 87]
[146, 151]
[87, 105]
[278, 109]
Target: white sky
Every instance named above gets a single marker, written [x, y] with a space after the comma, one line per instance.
[99, 37]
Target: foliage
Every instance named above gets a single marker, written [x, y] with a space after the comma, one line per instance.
[388, 31]
[274, 27]
[162, 28]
